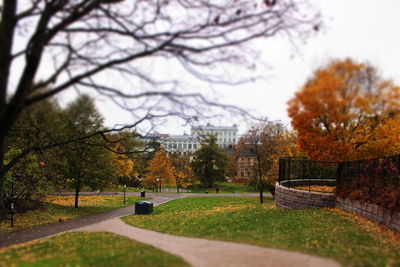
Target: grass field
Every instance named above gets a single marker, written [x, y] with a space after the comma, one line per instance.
[226, 188]
[87, 249]
[351, 240]
[120, 188]
[61, 208]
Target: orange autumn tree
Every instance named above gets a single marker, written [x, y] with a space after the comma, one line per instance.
[160, 171]
[346, 111]
[123, 165]
[184, 176]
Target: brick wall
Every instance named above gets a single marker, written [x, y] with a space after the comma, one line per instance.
[286, 198]
[297, 199]
[371, 211]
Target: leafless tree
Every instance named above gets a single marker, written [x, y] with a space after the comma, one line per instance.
[267, 142]
[92, 45]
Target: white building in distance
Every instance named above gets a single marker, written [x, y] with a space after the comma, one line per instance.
[226, 137]
[180, 144]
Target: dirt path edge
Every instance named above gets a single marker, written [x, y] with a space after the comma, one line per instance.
[203, 252]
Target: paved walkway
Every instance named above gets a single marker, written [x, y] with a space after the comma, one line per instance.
[165, 195]
[197, 252]
[19, 237]
[203, 252]
[40, 232]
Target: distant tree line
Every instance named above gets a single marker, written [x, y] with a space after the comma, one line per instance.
[80, 154]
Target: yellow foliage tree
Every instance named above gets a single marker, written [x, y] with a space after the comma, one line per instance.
[184, 177]
[160, 171]
[346, 111]
[123, 165]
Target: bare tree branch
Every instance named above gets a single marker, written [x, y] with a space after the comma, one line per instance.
[93, 44]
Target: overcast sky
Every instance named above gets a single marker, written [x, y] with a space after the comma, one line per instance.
[365, 30]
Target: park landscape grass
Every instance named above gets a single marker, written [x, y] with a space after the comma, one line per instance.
[349, 239]
[226, 188]
[61, 208]
[87, 249]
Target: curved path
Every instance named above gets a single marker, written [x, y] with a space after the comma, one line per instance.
[39, 232]
[197, 252]
[203, 252]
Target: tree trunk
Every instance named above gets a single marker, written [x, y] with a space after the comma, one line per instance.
[261, 195]
[177, 188]
[77, 188]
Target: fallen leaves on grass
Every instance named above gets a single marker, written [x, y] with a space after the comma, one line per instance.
[324, 232]
[368, 225]
[317, 188]
[61, 208]
[227, 208]
[69, 201]
[86, 249]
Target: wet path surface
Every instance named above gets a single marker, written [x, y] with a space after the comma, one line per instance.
[203, 252]
[39, 232]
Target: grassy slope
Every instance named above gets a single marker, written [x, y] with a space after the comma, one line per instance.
[87, 249]
[120, 188]
[324, 232]
[62, 208]
[227, 188]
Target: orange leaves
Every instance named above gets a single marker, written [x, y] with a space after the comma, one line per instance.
[160, 168]
[184, 177]
[123, 165]
[346, 111]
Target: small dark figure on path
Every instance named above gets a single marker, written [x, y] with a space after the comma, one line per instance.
[217, 189]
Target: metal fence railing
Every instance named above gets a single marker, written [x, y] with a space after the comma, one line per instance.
[374, 180]
[302, 173]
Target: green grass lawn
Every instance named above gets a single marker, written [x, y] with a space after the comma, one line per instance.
[325, 232]
[226, 188]
[87, 249]
[58, 208]
[120, 188]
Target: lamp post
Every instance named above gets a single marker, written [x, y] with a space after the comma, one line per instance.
[158, 179]
[15, 175]
[124, 192]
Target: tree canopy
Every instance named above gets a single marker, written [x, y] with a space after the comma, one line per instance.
[184, 176]
[83, 44]
[267, 141]
[88, 162]
[210, 164]
[347, 111]
[114, 49]
[160, 171]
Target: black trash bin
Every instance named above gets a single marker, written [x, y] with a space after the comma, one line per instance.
[142, 193]
[143, 207]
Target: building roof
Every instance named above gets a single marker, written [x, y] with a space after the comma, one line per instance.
[188, 138]
[212, 127]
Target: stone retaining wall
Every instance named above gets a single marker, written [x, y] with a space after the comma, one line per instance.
[286, 198]
[298, 199]
[371, 211]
